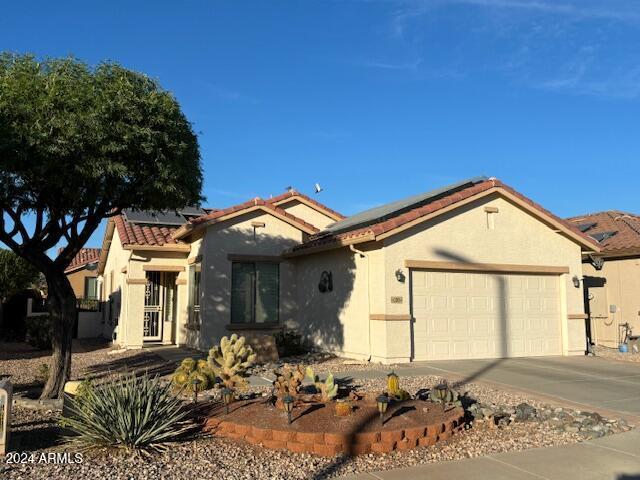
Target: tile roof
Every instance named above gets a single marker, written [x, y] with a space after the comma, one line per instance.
[294, 193]
[625, 225]
[256, 202]
[140, 234]
[376, 229]
[83, 257]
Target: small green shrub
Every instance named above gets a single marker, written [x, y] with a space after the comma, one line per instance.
[128, 412]
[289, 342]
[38, 332]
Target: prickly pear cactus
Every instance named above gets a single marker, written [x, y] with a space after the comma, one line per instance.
[230, 361]
[328, 388]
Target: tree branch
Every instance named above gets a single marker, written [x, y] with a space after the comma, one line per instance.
[16, 217]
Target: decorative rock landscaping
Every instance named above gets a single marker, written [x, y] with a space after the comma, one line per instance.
[317, 430]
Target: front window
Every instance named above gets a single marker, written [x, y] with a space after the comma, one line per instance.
[194, 293]
[91, 288]
[255, 292]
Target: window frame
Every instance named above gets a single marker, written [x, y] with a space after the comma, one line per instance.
[87, 279]
[195, 294]
[254, 295]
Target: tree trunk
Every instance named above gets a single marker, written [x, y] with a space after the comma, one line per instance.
[62, 308]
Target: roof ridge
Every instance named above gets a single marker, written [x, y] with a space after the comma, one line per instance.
[440, 201]
[295, 193]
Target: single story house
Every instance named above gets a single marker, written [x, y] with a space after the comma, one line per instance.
[471, 270]
[82, 273]
[612, 277]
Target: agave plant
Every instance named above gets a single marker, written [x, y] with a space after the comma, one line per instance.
[129, 412]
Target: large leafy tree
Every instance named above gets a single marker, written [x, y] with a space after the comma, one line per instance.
[79, 144]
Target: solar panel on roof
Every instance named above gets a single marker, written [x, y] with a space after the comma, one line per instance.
[170, 218]
[382, 212]
[140, 216]
[583, 227]
[602, 236]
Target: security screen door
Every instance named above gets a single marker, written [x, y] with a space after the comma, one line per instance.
[159, 304]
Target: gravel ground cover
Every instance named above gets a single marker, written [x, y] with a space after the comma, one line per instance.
[494, 430]
[21, 362]
[322, 363]
[615, 354]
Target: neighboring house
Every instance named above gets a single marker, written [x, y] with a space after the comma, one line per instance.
[82, 273]
[83, 276]
[472, 270]
[612, 278]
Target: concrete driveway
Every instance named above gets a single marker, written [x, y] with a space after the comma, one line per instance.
[592, 382]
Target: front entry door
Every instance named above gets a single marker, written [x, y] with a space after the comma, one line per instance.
[159, 306]
[152, 327]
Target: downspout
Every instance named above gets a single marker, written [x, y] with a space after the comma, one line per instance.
[363, 255]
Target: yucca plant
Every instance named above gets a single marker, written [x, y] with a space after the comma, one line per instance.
[129, 412]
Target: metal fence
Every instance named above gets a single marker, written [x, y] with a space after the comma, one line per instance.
[41, 305]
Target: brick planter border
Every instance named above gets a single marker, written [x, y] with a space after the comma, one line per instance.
[328, 444]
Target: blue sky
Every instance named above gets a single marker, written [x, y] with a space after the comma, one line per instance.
[377, 100]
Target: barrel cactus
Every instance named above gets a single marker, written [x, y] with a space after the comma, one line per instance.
[180, 378]
[230, 361]
[393, 388]
[202, 384]
[188, 371]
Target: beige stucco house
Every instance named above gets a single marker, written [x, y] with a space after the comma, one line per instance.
[611, 278]
[167, 278]
[82, 273]
[472, 270]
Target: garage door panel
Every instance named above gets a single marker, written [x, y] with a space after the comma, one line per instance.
[458, 304]
[480, 325]
[458, 282]
[468, 315]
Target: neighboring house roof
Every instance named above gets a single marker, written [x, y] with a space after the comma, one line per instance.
[293, 194]
[617, 232]
[241, 209]
[398, 216]
[83, 258]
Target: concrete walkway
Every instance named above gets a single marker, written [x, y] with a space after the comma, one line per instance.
[612, 458]
[589, 382]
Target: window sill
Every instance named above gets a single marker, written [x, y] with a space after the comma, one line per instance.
[254, 326]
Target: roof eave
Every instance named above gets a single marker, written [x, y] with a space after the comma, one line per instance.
[587, 246]
[106, 245]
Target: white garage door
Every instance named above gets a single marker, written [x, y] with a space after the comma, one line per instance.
[484, 315]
